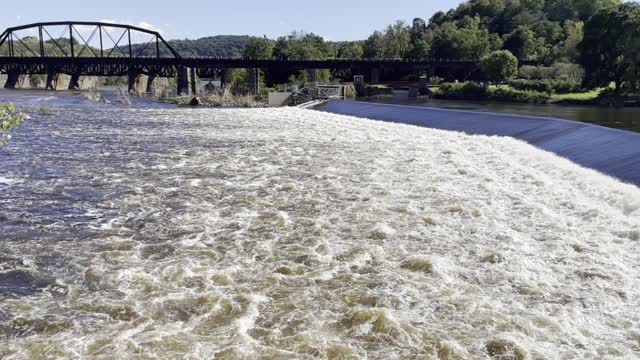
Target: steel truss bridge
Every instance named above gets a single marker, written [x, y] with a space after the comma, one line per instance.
[106, 49]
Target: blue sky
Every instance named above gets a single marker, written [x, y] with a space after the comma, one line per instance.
[333, 19]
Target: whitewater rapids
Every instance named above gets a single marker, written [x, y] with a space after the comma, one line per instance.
[288, 233]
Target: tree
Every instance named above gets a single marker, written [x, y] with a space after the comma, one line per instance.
[451, 42]
[350, 50]
[374, 46]
[9, 118]
[524, 44]
[258, 49]
[574, 33]
[587, 8]
[420, 40]
[610, 50]
[302, 46]
[397, 40]
[500, 66]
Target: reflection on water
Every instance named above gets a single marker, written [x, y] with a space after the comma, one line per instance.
[620, 118]
[284, 233]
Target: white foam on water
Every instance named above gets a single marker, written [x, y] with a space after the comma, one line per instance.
[289, 233]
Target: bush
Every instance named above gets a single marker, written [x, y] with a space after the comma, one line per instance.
[547, 85]
[506, 93]
[463, 91]
[566, 71]
[500, 66]
[9, 118]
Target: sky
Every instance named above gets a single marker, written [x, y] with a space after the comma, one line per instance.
[333, 19]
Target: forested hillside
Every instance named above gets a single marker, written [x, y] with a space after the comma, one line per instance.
[542, 30]
[217, 46]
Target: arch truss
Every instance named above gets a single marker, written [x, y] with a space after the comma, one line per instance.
[78, 39]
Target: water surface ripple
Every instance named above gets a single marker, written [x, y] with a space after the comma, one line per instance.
[286, 233]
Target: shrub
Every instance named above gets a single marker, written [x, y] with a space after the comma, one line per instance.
[500, 66]
[8, 119]
[547, 85]
[505, 93]
[463, 91]
[556, 71]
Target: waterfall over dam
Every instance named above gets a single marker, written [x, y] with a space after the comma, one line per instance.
[610, 151]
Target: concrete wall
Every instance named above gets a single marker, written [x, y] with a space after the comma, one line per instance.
[279, 98]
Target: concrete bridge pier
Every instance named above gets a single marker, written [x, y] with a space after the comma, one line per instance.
[74, 82]
[183, 81]
[193, 81]
[254, 81]
[12, 80]
[312, 75]
[150, 80]
[430, 72]
[51, 80]
[56, 81]
[132, 77]
[138, 83]
[375, 76]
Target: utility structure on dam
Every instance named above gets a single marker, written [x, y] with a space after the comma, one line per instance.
[88, 49]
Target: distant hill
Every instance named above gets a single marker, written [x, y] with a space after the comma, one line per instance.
[216, 46]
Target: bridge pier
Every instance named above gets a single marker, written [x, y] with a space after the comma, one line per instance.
[312, 75]
[430, 73]
[51, 79]
[375, 76]
[74, 82]
[132, 78]
[183, 81]
[193, 81]
[56, 81]
[150, 80]
[12, 80]
[254, 81]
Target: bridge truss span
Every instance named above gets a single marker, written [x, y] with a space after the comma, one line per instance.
[77, 39]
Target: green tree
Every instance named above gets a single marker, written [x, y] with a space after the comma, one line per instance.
[258, 49]
[463, 43]
[394, 42]
[9, 118]
[574, 33]
[350, 50]
[524, 44]
[500, 66]
[302, 46]
[610, 49]
[397, 40]
[374, 46]
[420, 38]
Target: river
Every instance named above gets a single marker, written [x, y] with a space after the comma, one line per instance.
[146, 231]
[621, 118]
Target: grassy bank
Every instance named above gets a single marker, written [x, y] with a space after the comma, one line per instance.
[589, 96]
[471, 91]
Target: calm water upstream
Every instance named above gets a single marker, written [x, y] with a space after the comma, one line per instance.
[621, 118]
[151, 232]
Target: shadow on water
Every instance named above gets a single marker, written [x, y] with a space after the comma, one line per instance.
[611, 151]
